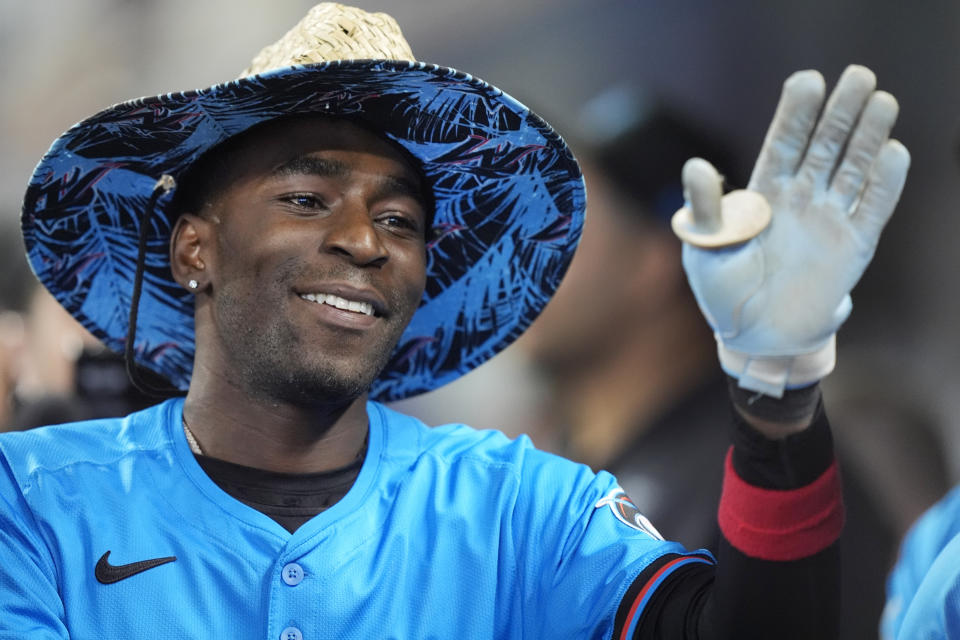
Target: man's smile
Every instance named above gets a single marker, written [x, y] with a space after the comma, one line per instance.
[343, 304]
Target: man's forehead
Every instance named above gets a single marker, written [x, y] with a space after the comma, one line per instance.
[397, 177]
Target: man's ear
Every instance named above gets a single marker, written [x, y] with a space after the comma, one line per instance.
[190, 251]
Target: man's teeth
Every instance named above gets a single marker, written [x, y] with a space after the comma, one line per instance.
[340, 303]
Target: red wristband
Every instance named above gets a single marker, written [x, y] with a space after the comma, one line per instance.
[781, 525]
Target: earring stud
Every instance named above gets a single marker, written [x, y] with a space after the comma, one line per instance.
[193, 284]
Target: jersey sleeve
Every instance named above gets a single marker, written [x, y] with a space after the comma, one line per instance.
[920, 548]
[30, 602]
[933, 612]
[581, 545]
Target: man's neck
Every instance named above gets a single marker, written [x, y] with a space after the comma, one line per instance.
[233, 426]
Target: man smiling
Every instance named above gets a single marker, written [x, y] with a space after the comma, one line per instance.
[310, 263]
[347, 231]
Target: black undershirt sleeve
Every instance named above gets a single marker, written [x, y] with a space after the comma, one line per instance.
[743, 597]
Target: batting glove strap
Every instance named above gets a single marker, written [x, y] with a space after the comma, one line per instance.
[770, 375]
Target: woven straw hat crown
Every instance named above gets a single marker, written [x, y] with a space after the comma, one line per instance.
[332, 31]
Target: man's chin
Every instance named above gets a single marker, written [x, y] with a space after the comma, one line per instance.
[319, 388]
[305, 373]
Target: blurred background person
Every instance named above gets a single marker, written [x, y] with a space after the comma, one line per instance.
[15, 288]
[630, 366]
[52, 370]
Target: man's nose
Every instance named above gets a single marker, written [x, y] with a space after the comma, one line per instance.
[352, 233]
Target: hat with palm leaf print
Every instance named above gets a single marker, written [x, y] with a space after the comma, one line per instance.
[509, 197]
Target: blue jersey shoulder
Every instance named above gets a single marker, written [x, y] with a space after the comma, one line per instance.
[543, 474]
[925, 541]
[933, 613]
[101, 441]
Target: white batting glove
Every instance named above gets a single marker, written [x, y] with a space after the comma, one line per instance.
[775, 301]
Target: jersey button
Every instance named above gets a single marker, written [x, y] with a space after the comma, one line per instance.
[292, 574]
[291, 633]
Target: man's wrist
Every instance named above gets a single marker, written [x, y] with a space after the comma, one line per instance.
[786, 462]
[774, 417]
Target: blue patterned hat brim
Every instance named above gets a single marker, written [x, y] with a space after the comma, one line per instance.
[509, 208]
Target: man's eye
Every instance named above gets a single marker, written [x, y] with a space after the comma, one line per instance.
[398, 221]
[304, 201]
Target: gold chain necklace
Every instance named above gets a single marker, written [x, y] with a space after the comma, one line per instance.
[191, 439]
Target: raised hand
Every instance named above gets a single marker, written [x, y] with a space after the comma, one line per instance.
[776, 300]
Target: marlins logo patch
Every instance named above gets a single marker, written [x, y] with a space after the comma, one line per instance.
[627, 512]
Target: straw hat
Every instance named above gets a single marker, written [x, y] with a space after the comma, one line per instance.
[509, 196]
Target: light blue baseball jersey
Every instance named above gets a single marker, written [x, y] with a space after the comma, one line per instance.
[447, 532]
[921, 550]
